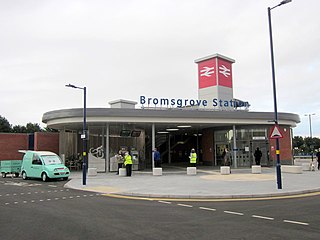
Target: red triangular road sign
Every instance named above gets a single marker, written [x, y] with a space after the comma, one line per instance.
[275, 132]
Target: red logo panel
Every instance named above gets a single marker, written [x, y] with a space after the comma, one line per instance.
[224, 73]
[207, 73]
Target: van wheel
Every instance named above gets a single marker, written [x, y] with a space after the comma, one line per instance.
[24, 176]
[44, 177]
[16, 174]
[4, 175]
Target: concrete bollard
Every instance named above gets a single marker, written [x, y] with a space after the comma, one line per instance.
[256, 169]
[191, 171]
[92, 172]
[122, 172]
[305, 166]
[157, 171]
[225, 170]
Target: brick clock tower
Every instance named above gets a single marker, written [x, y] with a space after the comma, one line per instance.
[215, 78]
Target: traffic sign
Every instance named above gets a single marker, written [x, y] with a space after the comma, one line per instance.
[275, 132]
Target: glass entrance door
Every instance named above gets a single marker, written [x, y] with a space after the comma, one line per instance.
[263, 146]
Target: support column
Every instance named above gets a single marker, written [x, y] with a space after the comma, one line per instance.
[235, 164]
[107, 148]
[153, 143]
[169, 149]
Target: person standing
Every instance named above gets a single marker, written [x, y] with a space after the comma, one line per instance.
[318, 159]
[193, 158]
[156, 157]
[226, 157]
[128, 164]
[120, 158]
[257, 156]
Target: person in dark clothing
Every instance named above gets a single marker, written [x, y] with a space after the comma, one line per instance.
[318, 159]
[257, 156]
[157, 159]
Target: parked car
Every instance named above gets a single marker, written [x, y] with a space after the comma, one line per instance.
[43, 164]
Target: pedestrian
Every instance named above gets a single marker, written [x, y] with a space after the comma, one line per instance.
[257, 156]
[318, 159]
[226, 157]
[156, 157]
[120, 158]
[193, 158]
[128, 164]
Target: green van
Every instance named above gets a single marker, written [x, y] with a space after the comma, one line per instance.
[43, 164]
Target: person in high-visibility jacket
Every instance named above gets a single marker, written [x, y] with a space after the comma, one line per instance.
[128, 163]
[193, 158]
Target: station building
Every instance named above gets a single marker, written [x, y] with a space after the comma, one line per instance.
[209, 124]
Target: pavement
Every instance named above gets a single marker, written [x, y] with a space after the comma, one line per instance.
[208, 183]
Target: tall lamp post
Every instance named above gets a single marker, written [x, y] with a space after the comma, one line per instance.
[84, 134]
[278, 167]
[310, 127]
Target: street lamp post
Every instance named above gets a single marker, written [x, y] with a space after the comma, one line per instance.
[84, 133]
[278, 167]
[310, 127]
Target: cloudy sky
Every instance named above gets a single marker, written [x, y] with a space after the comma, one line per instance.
[128, 48]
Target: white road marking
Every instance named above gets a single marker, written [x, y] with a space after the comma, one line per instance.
[164, 202]
[48, 199]
[63, 198]
[52, 185]
[7, 203]
[41, 200]
[295, 222]
[234, 213]
[184, 205]
[15, 202]
[24, 201]
[56, 198]
[262, 217]
[209, 209]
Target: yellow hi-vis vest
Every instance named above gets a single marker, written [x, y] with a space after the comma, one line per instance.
[127, 160]
[193, 158]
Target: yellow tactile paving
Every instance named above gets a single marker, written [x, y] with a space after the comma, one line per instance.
[240, 177]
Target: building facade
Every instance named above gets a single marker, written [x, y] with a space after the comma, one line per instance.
[211, 123]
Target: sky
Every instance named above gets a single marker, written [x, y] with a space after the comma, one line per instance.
[128, 48]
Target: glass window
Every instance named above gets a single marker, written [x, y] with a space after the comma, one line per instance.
[51, 159]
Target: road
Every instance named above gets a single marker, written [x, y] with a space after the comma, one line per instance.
[36, 210]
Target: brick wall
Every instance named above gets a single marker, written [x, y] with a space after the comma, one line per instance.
[46, 142]
[285, 145]
[10, 143]
[207, 147]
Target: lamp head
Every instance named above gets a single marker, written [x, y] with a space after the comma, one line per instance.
[284, 2]
[70, 85]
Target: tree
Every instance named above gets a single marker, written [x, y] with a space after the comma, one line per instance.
[19, 129]
[297, 142]
[5, 126]
[33, 127]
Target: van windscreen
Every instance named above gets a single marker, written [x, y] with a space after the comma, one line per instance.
[51, 159]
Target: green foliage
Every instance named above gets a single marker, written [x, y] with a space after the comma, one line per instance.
[5, 126]
[305, 146]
